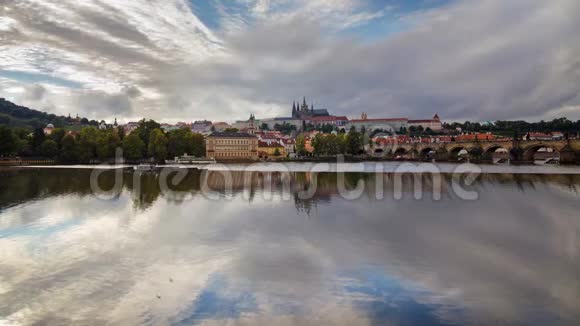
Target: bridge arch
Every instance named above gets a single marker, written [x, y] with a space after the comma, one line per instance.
[530, 151]
[454, 151]
[427, 151]
[491, 150]
[401, 151]
[494, 147]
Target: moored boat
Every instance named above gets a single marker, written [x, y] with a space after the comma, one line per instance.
[189, 159]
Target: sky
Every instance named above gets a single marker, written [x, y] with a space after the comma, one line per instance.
[222, 60]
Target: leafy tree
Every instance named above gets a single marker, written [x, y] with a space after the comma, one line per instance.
[182, 141]
[179, 142]
[133, 147]
[264, 126]
[276, 152]
[49, 148]
[121, 133]
[107, 142]
[57, 135]
[5, 120]
[285, 128]
[334, 145]
[301, 145]
[38, 138]
[231, 130]
[8, 141]
[328, 144]
[69, 152]
[353, 142]
[198, 145]
[319, 144]
[144, 130]
[88, 143]
[157, 145]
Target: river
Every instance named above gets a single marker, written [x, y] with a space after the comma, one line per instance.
[288, 248]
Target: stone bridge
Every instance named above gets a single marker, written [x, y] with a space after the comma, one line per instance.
[521, 150]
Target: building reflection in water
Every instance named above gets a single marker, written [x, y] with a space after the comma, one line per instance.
[154, 257]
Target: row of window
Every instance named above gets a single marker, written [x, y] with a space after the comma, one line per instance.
[230, 142]
[234, 154]
[232, 148]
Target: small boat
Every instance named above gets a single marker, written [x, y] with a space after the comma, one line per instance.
[143, 167]
[188, 159]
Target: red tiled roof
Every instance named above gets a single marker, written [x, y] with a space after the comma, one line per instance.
[268, 136]
[265, 144]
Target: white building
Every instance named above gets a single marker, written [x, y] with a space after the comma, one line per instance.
[433, 124]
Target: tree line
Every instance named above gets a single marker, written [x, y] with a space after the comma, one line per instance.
[91, 144]
[510, 127]
[332, 144]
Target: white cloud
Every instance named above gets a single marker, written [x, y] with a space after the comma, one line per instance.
[486, 60]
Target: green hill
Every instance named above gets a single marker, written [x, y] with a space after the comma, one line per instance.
[19, 116]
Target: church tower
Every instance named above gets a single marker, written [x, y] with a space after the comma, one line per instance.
[252, 125]
[304, 108]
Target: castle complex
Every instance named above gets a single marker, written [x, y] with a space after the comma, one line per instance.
[304, 114]
[304, 111]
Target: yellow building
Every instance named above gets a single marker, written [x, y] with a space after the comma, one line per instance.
[231, 146]
[271, 150]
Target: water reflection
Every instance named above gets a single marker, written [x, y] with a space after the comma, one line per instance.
[151, 257]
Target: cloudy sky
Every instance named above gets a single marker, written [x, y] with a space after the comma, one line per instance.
[176, 60]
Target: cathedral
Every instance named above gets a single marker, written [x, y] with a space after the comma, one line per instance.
[304, 111]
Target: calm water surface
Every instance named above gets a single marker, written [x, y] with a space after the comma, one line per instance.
[258, 257]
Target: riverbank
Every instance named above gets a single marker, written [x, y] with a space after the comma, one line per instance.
[333, 167]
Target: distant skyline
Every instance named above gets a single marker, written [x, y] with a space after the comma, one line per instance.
[221, 60]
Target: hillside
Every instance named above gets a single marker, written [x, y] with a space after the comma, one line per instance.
[19, 116]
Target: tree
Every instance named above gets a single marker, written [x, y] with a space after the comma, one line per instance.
[49, 148]
[353, 142]
[69, 152]
[145, 129]
[88, 143]
[301, 145]
[8, 141]
[120, 133]
[333, 145]
[198, 145]
[179, 142]
[157, 145]
[183, 141]
[57, 135]
[264, 126]
[38, 138]
[231, 130]
[133, 147]
[319, 144]
[276, 152]
[107, 142]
